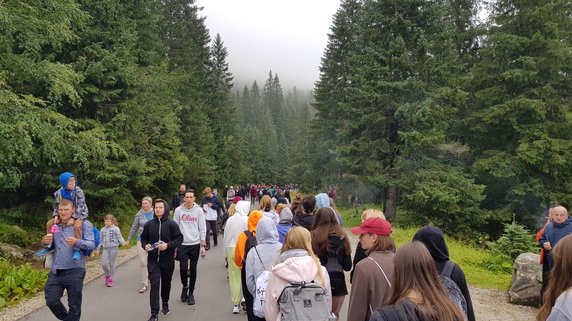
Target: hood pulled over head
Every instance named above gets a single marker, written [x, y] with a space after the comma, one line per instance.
[266, 231]
[242, 208]
[434, 240]
[322, 200]
[253, 219]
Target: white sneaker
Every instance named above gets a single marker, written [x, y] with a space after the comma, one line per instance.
[236, 309]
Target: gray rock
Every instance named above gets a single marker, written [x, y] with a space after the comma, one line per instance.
[11, 251]
[526, 280]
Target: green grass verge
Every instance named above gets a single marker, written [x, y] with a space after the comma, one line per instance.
[481, 268]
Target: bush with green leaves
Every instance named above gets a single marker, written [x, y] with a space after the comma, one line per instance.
[514, 241]
[18, 282]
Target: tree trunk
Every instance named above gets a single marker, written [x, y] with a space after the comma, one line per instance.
[390, 203]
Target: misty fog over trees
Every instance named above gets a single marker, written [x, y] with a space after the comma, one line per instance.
[418, 107]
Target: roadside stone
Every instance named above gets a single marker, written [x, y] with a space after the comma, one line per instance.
[526, 280]
[11, 251]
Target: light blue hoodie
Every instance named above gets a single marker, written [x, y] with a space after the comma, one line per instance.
[263, 256]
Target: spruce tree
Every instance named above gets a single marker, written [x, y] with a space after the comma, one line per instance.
[519, 125]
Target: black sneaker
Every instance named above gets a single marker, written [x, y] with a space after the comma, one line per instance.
[191, 300]
[185, 295]
[208, 247]
[153, 318]
[165, 308]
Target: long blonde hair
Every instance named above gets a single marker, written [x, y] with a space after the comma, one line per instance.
[300, 238]
[231, 209]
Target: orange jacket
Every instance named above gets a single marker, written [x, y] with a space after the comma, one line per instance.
[239, 254]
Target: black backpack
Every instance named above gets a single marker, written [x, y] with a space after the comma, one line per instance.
[250, 243]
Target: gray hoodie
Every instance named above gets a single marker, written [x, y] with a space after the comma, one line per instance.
[264, 255]
[110, 237]
[191, 223]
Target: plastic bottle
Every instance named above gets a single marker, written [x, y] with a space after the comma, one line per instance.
[203, 254]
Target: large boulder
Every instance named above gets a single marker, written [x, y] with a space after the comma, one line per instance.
[11, 251]
[526, 280]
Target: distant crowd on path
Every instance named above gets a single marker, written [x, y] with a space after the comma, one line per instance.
[287, 258]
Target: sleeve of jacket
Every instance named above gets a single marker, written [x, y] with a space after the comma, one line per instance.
[216, 203]
[544, 237]
[203, 226]
[359, 296]
[145, 235]
[119, 236]
[177, 239]
[250, 269]
[346, 261]
[81, 210]
[57, 197]
[273, 290]
[458, 277]
[88, 240]
[134, 228]
[239, 249]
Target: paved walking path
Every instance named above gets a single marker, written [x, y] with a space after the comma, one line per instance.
[123, 302]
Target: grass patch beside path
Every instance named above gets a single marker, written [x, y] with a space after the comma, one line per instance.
[479, 265]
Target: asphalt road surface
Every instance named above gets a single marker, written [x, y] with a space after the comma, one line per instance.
[123, 302]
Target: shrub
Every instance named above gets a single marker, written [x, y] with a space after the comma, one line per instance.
[15, 235]
[18, 282]
[514, 241]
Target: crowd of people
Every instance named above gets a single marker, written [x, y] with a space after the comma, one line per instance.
[286, 260]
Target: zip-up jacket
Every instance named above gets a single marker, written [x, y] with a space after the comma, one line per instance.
[165, 230]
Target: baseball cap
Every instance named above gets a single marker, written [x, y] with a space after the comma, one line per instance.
[373, 225]
[236, 199]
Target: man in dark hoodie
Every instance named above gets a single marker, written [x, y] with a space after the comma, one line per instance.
[160, 238]
[434, 240]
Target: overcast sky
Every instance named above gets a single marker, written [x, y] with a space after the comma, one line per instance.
[285, 36]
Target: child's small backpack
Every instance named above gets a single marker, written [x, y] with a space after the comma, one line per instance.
[96, 239]
[452, 289]
[304, 301]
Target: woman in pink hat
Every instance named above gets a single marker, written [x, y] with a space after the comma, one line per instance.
[373, 275]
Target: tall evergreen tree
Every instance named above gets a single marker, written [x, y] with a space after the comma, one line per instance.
[330, 91]
[520, 129]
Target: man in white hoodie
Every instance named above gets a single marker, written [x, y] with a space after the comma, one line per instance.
[235, 225]
[191, 220]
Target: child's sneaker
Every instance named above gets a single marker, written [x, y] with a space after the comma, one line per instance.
[107, 280]
[236, 309]
[110, 282]
[76, 255]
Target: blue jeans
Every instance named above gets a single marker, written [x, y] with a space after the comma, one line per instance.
[72, 281]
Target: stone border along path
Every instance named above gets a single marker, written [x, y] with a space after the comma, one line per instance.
[489, 305]
[93, 271]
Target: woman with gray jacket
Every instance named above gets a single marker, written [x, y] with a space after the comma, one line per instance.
[263, 256]
[144, 215]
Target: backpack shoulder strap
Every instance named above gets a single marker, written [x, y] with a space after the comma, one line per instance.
[259, 258]
[384, 275]
[448, 268]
